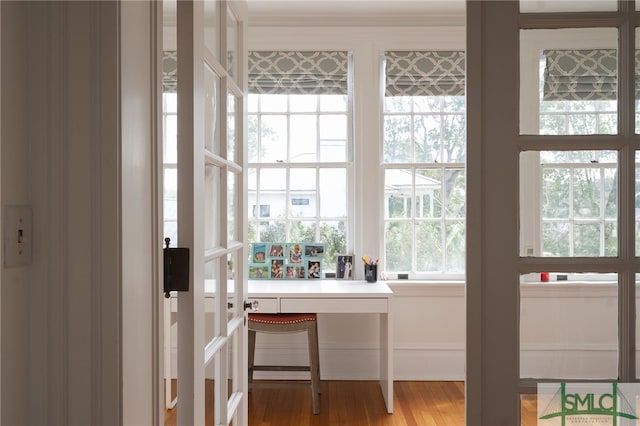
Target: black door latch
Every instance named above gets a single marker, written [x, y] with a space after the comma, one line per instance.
[176, 269]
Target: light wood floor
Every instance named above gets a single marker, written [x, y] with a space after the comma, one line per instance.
[359, 403]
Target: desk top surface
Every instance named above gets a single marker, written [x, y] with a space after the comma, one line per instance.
[309, 288]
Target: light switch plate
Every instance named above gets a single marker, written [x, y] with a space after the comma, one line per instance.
[18, 235]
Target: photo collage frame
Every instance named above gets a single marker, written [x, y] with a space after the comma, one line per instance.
[286, 261]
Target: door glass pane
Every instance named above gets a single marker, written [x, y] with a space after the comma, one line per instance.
[212, 206]
[170, 158]
[232, 201]
[211, 37]
[568, 82]
[541, 6]
[576, 213]
[637, 78]
[211, 129]
[211, 276]
[229, 348]
[170, 206]
[170, 135]
[637, 204]
[231, 127]
[234, 309]
[569, 326]
[637, 323]
[232, 46]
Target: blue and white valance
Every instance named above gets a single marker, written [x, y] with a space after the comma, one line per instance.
[426, 73]
[299, 72]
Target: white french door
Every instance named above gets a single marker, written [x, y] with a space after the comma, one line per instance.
[211, 204]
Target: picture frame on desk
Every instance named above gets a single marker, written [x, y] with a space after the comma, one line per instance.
[277, 269]
[276, 250]
[295, 253]
[259, 253]
[258, 272]
[314, 269]
[344, 268]
[314, 250]
[286, 261]
[296, 272]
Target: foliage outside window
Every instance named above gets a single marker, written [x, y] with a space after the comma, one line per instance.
[579, 203]
[423, 160]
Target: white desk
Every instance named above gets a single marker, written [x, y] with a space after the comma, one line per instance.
[334, 296]
[329, 296]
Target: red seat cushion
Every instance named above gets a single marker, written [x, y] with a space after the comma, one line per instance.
[282, 318]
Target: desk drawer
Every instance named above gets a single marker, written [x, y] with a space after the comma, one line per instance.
[265, 305]
[335, 305]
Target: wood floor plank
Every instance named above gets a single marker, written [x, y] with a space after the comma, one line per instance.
[360, 403]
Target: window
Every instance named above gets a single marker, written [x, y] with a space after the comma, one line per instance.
[299, 148]
[423, 162]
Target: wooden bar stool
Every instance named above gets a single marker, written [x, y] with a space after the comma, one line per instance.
[287, 323]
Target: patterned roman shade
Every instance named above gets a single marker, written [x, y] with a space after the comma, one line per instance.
[433, 73]
[169, 71]
[589, 74]
[300, 72]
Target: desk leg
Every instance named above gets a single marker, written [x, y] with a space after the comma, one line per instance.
[386, 359]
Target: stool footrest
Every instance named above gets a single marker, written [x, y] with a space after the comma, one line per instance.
[280, 368]
[275, 384]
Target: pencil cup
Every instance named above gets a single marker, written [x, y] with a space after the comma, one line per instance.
[371, 273]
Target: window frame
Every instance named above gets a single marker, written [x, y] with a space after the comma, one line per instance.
[413, 217]
[318, 166]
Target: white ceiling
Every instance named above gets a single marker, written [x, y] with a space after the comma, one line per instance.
[355, 12]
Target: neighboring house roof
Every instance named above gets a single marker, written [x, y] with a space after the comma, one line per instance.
[400, 182]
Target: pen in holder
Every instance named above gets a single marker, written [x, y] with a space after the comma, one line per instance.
[370, 272]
